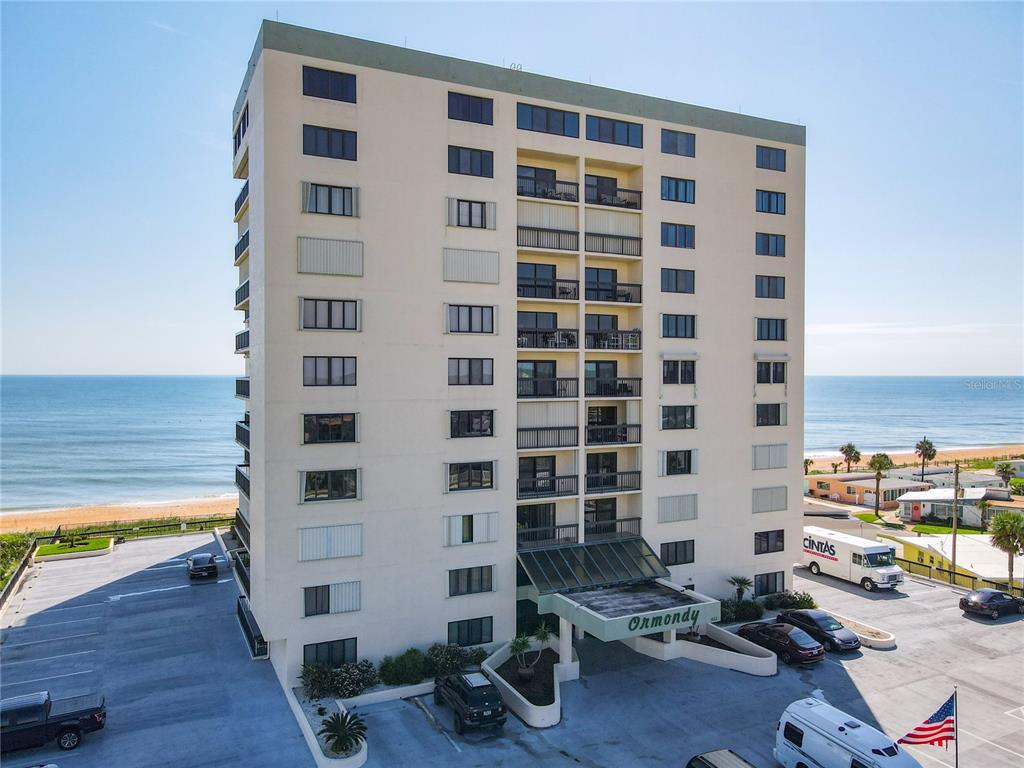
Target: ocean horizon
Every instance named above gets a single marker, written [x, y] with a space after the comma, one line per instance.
[72, 441]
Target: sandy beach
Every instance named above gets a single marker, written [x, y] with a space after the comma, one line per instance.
[942, 457]
[49, 519]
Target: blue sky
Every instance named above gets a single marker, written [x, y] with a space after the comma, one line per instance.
[117, 188]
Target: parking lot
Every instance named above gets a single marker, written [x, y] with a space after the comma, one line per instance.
[629, 710]
[167, 653]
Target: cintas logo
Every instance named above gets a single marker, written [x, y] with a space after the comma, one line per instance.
[824, 547]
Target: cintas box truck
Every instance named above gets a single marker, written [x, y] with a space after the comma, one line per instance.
[862, 561]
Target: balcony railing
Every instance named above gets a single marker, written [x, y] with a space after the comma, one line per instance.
[549, 536]
[620, 245]
[241, 568]
[595, 530]
[560, 387]
[242, 529]
[629, 387]
[569, 191]
[241, 294]
[243, 195]
[257, 645]
[242, 479]
[538, 288]
[555, 239]
[242, 433]
[613, 482]
[621, 198]
[242, 341]
[613, 434]
[623, 293]
[543, 487]
[242, 388]
[548, 437]
[556, 338]
[242, 245]
[613, 339]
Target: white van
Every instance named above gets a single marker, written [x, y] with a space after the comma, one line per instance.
[814, 734]
[862, 561]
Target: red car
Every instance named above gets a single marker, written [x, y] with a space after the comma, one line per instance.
[791, 644]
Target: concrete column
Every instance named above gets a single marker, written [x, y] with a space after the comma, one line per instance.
[668, 635]
[579, 632]
[564, 641]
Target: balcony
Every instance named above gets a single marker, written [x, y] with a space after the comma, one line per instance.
[616, 197]
[547, 437]
[552, 239]
[258, 647]
[242, 433]
[242, 200]
[548, 388]
[547, 487]
[242, 296]
[242, 529]
[613, 482]
[613, 434]
[242, 388]
[554, 338]
[242, 247]
[566, 191]
[613, 340]
[620, 293]
[627, 387]
[241, 342]
[550, 536]
[564, 290]
[240, 565]
[617, 245]
[242, 478]
[596, 530]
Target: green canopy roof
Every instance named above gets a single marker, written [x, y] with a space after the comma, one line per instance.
[575, 567]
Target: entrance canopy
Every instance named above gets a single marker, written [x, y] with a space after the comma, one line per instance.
[577, 567]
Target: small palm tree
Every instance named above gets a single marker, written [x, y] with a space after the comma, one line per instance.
[807, 465]
[926, 450]
[520, 648]
[983, 506]
[343, 732]
[1005, 472]
[850, 454]
[835, 466]
[741, 584]
[1007, 531]
[880, 462]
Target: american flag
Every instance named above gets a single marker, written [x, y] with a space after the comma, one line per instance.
[937, 729]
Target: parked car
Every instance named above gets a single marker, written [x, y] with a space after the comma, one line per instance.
[720, 758]
[473, 698]
[823, 628]
[203, 564]
[791, 644]
[34, 719]
[991, 602]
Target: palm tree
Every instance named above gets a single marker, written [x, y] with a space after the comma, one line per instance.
[1005, 472]
[983, 506]
[742, 584]
[850, 454]
[520, 647]
[1007, 531]
[807, 465]
[880, 462]
[926, 450]
[835, 466]
[343, 732]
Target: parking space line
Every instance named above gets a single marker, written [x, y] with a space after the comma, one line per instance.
[991, 743]
[224, 581]
[54, 624]
[50, 640]
[53, 677]
[430, 716]
[47, 658]
[1017, 712]
[148, 591]
[69, 607]
[925, 754]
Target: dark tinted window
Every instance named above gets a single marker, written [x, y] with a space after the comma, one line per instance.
[677, 235]
[678, 417]
[678, 326]
[614, 131]
[333, 653]
[317, 600]
[771, 373]
[678, 142]
[766, 244]
[322, 198]
[677, 190]
[470, 162]
[771, 158]
[678, 462]
[677, 552]
[771, 202]
[325, 84]
[769, 287]
[793, 735]
[473, 109]
[771, 329]
[466, 318]
[329, 428]
[328, 371]
[769, 541]
[677, 280]
[769, 583]
[330, 485]
[678, 371]
[468, 581]
[329, 314]
[546, 120]
[464, 371]
[470, 475]
[328, 142]
[471, 631]
[472, 423]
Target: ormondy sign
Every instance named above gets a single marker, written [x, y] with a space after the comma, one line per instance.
[664, 620]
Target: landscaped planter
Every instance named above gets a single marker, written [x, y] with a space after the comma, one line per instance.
[381, 693]
[309, 724]
[75, 555]
[739, 654]
[531, 714]
[870, 637]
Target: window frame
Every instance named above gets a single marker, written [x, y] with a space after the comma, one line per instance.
[484, 364]
[670, 278]
[349, 309]
[321, 600]
[769, 287]
[547, 112]
[486, 318]
[309, 427]
[486, 108]
[672, 138]
[775, 579]
[677, 552]
[311, 140]
[684, 461]
[464, 632]
[768, 158]
[769, 201]
[332, 651]
[769, 542]
[335, 480]
[330, 370]
[344, 81]
[680, 366]
[671, 186]
[472, 580]
[768, 414]
[671, 419]
[609, 130]
[774, 329]
[678, 235]
[484, 480]
[459, 421]
[670, 326]
[769, 244]
[478, 162]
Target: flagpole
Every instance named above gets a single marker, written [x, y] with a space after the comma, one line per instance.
[956, 726]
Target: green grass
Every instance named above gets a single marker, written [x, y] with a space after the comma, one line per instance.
[85, 545]
[13, 547]
[869, 517]
[932, 528]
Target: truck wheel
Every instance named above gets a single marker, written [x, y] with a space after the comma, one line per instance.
[868, 584]
[814, 568]
[69, 738]
[458, 723]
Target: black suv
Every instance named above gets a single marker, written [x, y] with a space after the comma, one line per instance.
[823, 628]
[473, 698]
[203, 564]
[991, 602]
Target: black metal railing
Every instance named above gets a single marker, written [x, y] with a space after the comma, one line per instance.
[241, 568]
[612, 434]
[560, 387]
[242, 531]
[623, 293]
[613, 339]
[242, 433]
[619, 387]
[242, 293]
[548, 437]
[540, 487]
[257, 645]
[539, 288]
[241, 245]
[594, 530]
[242, 479]
[556, 338]
[241, 341]
[555, 239]
[613, 482]
[241, 387]
[548, 536]
[621, 245]
[947, 576]
[621, 198]
[567, 191]
[243, 195]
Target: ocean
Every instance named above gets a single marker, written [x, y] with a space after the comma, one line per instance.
[80, 440]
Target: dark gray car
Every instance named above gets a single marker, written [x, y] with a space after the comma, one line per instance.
[823, 628]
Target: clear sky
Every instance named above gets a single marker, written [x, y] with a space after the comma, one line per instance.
[116, 161]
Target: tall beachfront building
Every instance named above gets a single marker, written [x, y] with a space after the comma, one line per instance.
[512, 343]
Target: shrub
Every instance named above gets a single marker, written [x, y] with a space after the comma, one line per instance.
[728, 612]
[317, 680]
[352, 679]
[445, 659]
[343, 733]
[476, 656]
[408, 668]
[743, 610]
[789, 600]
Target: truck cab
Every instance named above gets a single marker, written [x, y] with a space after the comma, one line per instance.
[35, 718]
[871, 564]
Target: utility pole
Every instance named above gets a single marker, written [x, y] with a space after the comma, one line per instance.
[956, 496]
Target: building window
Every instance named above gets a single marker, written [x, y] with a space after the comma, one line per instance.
[471, 631]
[769, 287]
[323, 198]
[771, 202]
[678, 371]
[472, 109]
[679, 462]
[470, 162]
[769, 415]
[317, 600]
[328, 142]
[343, 597]
[770, 456]
[677, 190]
[678, 143]
[769, 583]
[766, 244]
[678, 416]
[465, 371]
[770, 499]
[771, 158]
[547, 120]
[678, 326]
[822, 485]
[614, 131]
[677, 280]
[332, 314]
[330, 485]
[325, 84]
[466, 318]
[470, 475]
[333, 653]
[771, 329]
[771, 373]
[243, 125]
[471, 213]
[769, 541]
[469, 581]
[328, 371]
[677, 235]
[329, 428]
[472, 423]
[677, 552]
